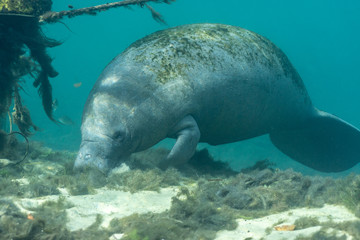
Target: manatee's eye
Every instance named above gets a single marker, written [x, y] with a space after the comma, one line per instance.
[118, 136]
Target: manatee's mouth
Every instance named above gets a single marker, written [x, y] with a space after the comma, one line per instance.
[92, 155]
[100, 152]
[86, 163]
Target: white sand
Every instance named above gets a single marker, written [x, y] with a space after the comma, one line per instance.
[109, 203]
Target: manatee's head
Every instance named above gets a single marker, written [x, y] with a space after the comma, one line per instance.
[106, 138]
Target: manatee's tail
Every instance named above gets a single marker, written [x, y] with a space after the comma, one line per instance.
[325, 143]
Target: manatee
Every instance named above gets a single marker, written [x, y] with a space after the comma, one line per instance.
[208, 83]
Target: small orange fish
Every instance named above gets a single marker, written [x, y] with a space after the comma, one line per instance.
[76, 85]
[30, 217]
[285, 228]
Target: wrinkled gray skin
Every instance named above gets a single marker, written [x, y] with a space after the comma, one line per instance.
[203, 82]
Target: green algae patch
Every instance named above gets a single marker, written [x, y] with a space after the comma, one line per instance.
[48, 222]
[144, 180]
[93, 232]
[323, 234]
[144, 174]
[187, 219]
[40, 187]
[175, 53]
[43, 173]
[191, 207]
[149, 226]
[348, 193]
[330, 231]
[14, 224]
[353, 228]
[306, 222]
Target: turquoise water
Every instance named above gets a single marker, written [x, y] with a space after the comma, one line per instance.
[321, 39]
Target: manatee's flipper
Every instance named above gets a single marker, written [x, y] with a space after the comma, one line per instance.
[325, 143]
[187, 136]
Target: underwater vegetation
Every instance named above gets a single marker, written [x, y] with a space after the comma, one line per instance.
[326, 234]
[30, 7]
[210, 196]
[23, 52]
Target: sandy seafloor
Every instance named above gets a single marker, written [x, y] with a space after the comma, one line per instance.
[42, 198]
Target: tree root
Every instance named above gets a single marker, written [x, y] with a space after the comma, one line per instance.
[50, 17]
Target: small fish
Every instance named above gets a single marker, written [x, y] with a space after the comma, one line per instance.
[76, 85]
[65, 120]
[55, 104]
[70, 6]
[285, 227]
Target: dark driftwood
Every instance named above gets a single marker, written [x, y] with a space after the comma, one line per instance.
[55, 16]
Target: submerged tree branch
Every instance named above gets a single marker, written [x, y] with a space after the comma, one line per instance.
[155, 15]
[50, 17]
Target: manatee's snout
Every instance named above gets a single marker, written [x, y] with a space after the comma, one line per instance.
[87, 161]
[92, 156]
